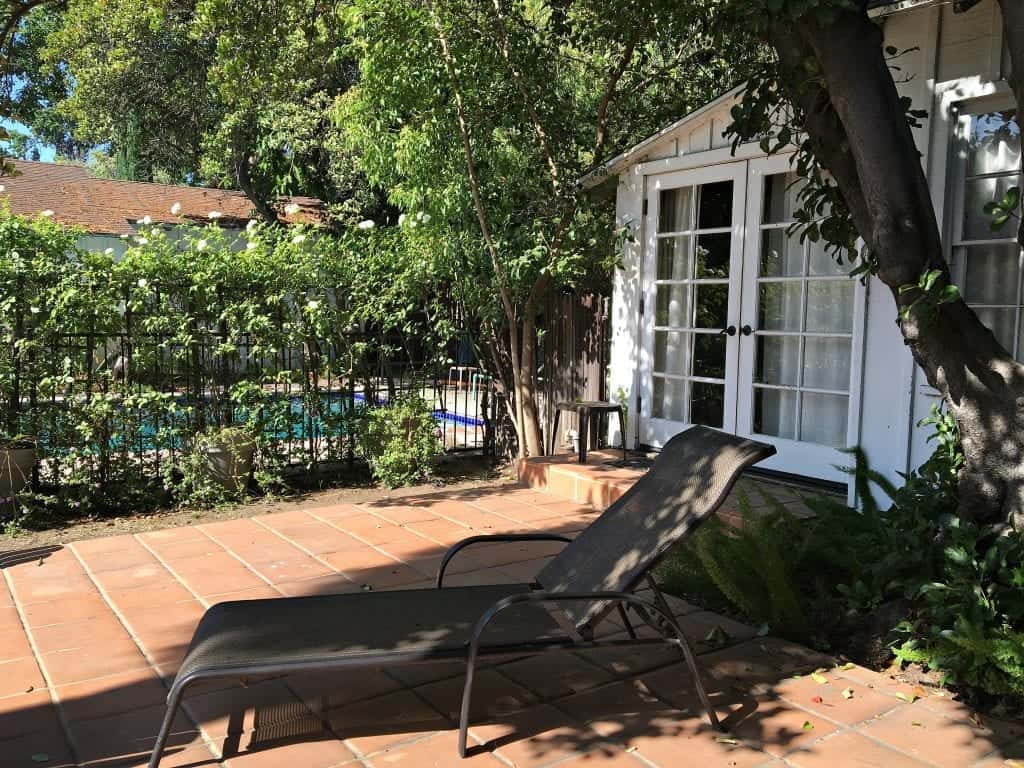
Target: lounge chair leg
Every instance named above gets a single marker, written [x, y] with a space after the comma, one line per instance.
[625, 620]
[691, 662]
[173, 701]
[467, 694]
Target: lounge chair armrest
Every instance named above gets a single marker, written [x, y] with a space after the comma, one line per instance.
[492, 538]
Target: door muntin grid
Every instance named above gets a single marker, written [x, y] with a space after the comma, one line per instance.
[693, 254]
[989, 265]
[803, 340]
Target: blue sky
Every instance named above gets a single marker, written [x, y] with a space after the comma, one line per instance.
[46, 152]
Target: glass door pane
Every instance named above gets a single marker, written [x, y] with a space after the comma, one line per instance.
[691, 302]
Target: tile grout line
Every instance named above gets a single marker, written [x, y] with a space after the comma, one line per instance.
[302, 549]
[170, 569]
[237, 557]
[38, 658]
[149, 660]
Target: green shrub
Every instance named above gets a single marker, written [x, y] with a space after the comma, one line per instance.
[401, 441]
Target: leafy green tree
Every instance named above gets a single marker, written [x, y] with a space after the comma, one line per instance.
[828, 92]
[479, 116]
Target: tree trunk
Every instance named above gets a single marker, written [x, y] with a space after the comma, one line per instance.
[839, 78]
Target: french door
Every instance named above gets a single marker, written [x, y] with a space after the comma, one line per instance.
[745, 328]
[691, 288]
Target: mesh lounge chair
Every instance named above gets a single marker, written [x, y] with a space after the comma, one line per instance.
[595, 574]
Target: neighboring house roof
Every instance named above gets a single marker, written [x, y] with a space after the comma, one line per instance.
[111, 207]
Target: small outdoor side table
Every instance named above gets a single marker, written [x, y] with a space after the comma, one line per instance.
[585, 410]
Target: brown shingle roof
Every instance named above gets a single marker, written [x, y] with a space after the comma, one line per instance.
[106, 206]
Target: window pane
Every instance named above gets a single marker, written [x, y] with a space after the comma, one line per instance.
[992, 273]
[780, 193]
[715, 207]
[826, 363]
[779, 306]
[781, 256]
[669, 399]
[670, 305]
[674, 206]
[823, 419]
[778, 360]
[821, 262]
[978, 192]
[994, 143]
[670, 352]
[707, 403]
[713, 255]
[1000, 321]
[775, 413]
[674, 258]
[709, 355]
[712, 306]
[830, 306]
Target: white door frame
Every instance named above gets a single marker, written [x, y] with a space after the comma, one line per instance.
[656, 432]
[800, 458]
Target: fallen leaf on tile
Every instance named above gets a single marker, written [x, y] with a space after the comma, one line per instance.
[846, 666]
[819, 678]
[910, 699]
[1014, 763]
[808, 725]
[816, 700]
[915, 723]
[848, 693]
[726, 740]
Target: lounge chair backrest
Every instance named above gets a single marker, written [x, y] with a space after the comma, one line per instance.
[691, 477]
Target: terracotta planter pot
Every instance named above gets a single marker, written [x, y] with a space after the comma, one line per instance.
[230, 463]
[15, 470]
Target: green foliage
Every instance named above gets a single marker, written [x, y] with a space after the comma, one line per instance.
[401, 440]
[932, 290]
[216, 469]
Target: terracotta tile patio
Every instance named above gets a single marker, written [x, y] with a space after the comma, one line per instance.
[92, 633]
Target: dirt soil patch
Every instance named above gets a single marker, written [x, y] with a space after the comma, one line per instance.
[454, 474]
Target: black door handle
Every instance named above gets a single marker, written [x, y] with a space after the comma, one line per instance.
[731, 331]
[746, 330]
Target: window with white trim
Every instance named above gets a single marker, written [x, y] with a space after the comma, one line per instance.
[987, 263]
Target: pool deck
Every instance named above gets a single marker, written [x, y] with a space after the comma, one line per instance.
[91, 634]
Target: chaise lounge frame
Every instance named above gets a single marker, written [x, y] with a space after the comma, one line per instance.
[595, 574]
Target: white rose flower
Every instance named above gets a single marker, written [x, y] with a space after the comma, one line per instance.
[3, 188]
[143, 241]
[201, 245]
[291, 209]
[250, 246]
[312, 304]
[366, 224]
[214, 215]
[251, 225]
[145, 221]
[47, 213]
[298, 239]
[401, 219]
[34, 310]
[176, 209]
[108, 251]
[143, 282]
[425, 218]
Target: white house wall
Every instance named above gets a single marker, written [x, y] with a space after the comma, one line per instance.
[949, 58]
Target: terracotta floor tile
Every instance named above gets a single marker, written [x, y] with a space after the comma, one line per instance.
[325, 691]
[233, 578]
[164, 618]
[371, 529]
[493, 695]
[441, 531]
[279, 520]
[537, 736]
[265, 592]
[186, 755]
[149, 576]
[238, 709]
[371, 725]
[356, 559]
[49, 742]
[926, 735]
[91, 661]
[20, 676]
[26, 713]
[164, 594]
[850, 750]
[13, 642]
[131, 556]
[189, 548]
[45, 590]
[677, 739]
[66, 610]
[551, 676]
[336, 584]
[127, 737]
[319, 538]
[525, 571]
[158, 540]
[403, 514]
[604, 759]
[604, 706]
[336, 511]
[384, 576]
[108, 545]
[774, 726]
[291, 569]
[631, 660]
[314, 753]
[105, 630]
[106, 696]
[831, 700]
[437, 751]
